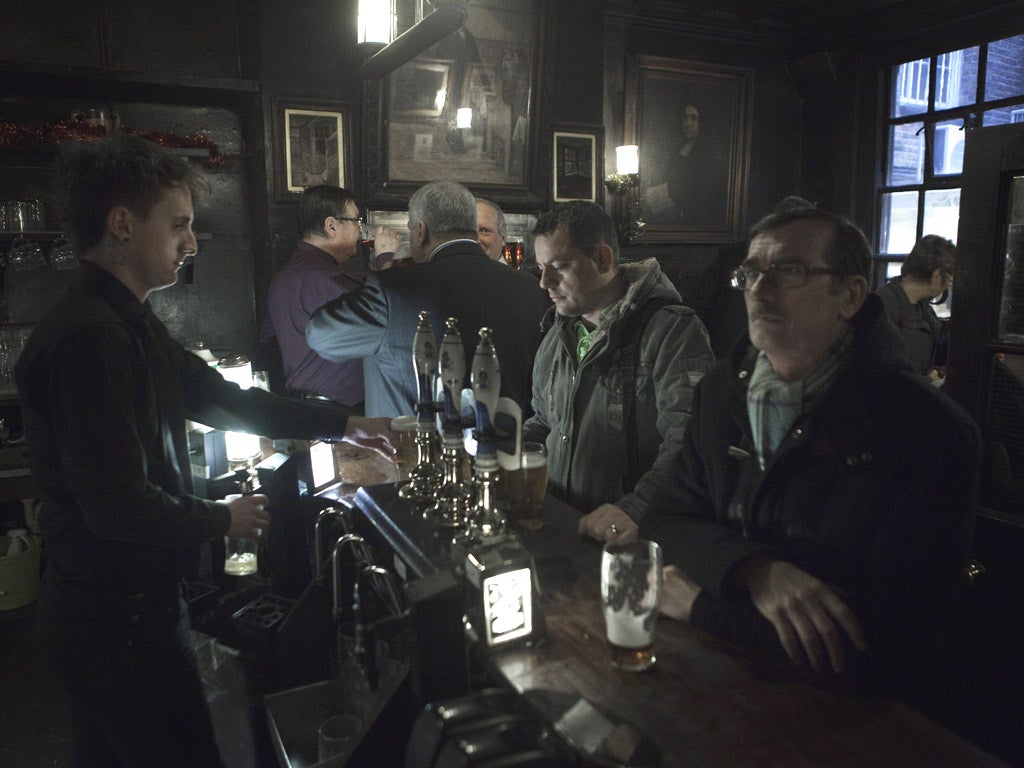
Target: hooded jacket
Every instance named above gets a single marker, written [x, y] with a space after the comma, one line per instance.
[579, 408]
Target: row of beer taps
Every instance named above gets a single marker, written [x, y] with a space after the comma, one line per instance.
[468, 508]
[442, 406]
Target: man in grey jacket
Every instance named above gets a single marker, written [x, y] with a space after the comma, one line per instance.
[614, 375]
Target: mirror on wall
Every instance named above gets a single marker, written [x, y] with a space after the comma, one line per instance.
[463, 109]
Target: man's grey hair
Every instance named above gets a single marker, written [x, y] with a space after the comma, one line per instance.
[502, 224]
[446, 207]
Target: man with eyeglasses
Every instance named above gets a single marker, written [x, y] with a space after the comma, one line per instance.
[330, 227]
[926, 274]
[822, 501]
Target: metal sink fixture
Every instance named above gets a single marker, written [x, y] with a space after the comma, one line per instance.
[294, 715]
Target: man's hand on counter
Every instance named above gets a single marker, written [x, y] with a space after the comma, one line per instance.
[373, 433]
[249, 516]
[608, 523]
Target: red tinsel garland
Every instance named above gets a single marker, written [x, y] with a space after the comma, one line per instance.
[32, 134]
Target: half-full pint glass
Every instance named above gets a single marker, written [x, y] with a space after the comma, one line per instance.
[630, 593]
[527, 486]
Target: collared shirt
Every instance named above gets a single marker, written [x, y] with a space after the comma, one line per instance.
[585, 336]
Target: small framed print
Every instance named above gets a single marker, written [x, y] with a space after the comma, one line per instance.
[312, 145]
[575, 174]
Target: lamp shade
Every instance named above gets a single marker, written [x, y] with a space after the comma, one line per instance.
[627, 159]
[376, 21]
[464, 117]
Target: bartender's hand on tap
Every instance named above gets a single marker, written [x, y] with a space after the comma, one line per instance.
[373, 433]
[249, 516]
[608, 523]
[812, 620]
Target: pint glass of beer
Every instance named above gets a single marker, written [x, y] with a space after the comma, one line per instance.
[630, 592]
[527, 486]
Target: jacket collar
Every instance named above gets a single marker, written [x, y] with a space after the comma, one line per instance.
[98, 282]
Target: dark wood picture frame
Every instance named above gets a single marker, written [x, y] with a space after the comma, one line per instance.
[493, 65]
[576, 163]
[696, 194]
[312, 145]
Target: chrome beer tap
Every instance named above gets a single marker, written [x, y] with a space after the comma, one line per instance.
[454, 499]
[424, 478]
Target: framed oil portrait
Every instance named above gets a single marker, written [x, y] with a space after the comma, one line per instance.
[466, 109]
[692, 124]
[311, 145]
[575, 174]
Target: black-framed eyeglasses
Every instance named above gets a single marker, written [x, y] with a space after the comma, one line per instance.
[357, 219]
[787, 274]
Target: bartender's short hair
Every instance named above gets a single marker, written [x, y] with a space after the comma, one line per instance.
[446, 207]
[319, 202]
[587, 224]
[124, 169]
[850, 251]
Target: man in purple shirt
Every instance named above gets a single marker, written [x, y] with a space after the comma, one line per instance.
[330, 226]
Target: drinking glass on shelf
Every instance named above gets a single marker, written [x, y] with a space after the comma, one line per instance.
[25, 254]
[35, 216]
[63, 255]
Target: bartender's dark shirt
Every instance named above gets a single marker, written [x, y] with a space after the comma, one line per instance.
[105, 392]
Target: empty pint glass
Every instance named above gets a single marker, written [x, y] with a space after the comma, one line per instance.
[630, 593]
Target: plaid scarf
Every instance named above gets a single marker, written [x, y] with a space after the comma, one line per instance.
[773, 405]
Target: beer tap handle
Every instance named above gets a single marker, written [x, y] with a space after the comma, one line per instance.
[425, 365]
[452, 372]
[486, 380]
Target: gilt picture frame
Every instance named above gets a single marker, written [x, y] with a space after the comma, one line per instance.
[692, 124]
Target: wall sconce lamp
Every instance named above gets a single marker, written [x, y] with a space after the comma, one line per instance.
[624, 184]
[407, 46]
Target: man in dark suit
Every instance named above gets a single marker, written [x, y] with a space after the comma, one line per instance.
[454, 278]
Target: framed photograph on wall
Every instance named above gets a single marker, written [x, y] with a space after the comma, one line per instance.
[692, 124]
[575, 174]
[311, 145]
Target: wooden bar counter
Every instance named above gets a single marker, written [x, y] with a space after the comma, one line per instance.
[705, 703]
